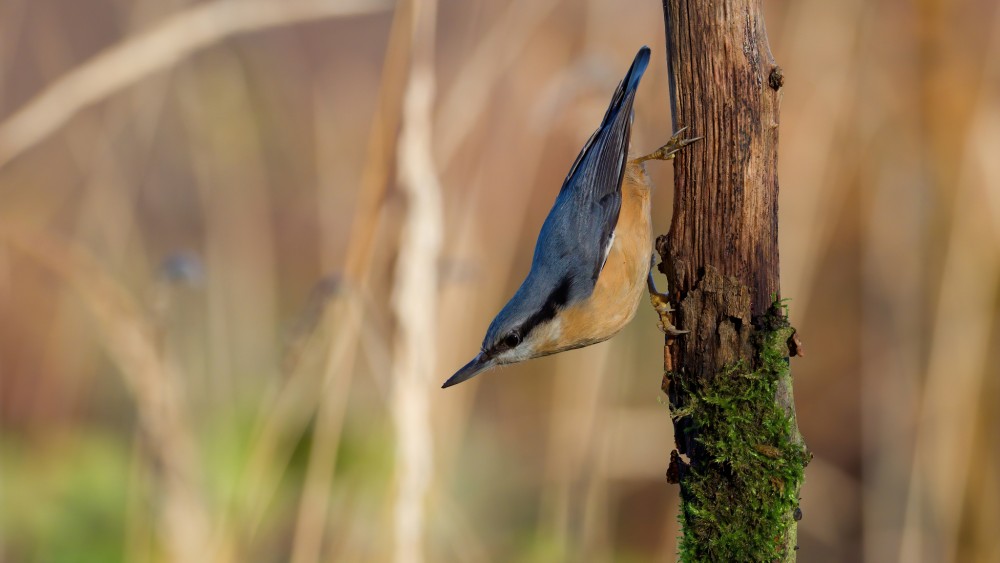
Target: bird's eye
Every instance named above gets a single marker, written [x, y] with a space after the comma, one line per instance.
[512, 340]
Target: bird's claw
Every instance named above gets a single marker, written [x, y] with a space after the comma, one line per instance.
[661, 304]
[663, 309]
[670, 150]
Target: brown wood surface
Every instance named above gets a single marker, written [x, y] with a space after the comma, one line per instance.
[721, 253]
[726, 87]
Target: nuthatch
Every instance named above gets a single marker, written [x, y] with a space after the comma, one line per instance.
[593, 252]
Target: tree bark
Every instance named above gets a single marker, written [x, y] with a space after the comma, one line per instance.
[739, 457]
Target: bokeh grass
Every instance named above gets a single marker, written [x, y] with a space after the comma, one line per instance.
[162, 363]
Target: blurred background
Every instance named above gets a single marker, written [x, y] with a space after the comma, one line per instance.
[229, 295]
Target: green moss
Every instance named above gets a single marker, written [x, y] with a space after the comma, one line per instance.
[739, 495]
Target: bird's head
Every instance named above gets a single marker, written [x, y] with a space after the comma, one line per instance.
[526, 328]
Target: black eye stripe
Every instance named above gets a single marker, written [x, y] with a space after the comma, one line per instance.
[558, 297]
[554, 301]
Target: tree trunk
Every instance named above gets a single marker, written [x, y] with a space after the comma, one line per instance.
[739, 457]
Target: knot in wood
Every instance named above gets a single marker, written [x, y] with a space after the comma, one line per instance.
[777, 78]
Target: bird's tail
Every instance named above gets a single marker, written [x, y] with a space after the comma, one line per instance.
[637, 69]
[626, 89]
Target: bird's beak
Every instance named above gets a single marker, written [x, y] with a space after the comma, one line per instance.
[478, 365]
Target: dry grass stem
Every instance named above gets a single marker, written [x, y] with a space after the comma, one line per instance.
[961, 344]
[959, 355]
[289, 410]
[819, 162]
[893, 292]
[415, 294]
[339, 365]
[131, 342]
[164, 45]
[501, 48]
[314, 502]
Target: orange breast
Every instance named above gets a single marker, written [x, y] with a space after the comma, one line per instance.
[622, 282]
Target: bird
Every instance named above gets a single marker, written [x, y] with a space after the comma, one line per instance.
[592, 260]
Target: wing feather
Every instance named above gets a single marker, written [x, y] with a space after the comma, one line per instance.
[578, 233]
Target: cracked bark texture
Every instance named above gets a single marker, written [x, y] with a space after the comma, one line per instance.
[721, 253]
[725, 86]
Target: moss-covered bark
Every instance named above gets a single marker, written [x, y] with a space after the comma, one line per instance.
[739, 457]
[740, 491]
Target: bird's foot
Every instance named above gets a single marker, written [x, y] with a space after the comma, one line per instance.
[661, 304]
[669, 150]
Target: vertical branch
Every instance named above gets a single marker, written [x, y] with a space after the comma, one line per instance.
[725, 86]
[739, 457]
[414, 299]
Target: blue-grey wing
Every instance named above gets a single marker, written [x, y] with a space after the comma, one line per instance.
[579, 230]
